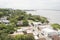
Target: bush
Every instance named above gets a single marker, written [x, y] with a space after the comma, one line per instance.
[24, 37]
[55, 26]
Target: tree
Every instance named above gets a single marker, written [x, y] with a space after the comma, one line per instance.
[55, 26]
[21, 17]
[24, 37]
[25, 23]
[2, 26]
[7, 28]
[29, 37]
[19, 37]
[1, 14]
[44, 20]
[10, 29]
[47, 21]
[9, 37]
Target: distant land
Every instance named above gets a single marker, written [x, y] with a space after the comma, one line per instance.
[41, 9]
[29, 10]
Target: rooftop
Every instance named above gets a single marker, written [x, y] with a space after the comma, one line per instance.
[48, 30]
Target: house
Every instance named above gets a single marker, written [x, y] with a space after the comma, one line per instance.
[19, 30]
[59, 32]
[48, 32]
[17, 33]
[36, 24]
[42, 37]
[29, 30]
[19, 23]
[35, 33]
[45, 26]
[23, 30]
[36, 38]
[4, 20]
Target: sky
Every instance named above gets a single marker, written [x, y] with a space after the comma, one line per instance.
[30, 4]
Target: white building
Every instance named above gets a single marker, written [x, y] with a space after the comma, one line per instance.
[59, 32]
[36, 38]
[4, 20]
[19, 30]
[17, 33]
[48, 32]
[19, 23]
[45, 26]
[35, 33]
[36, 24]
[29, 31]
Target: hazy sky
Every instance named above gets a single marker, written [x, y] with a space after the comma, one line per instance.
[30, 4]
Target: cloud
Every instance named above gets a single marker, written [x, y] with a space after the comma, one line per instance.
[30, 4]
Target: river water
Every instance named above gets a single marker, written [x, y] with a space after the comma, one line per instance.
[52, 15]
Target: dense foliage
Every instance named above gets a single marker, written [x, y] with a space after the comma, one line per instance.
[5, 30]
[17, 37]
[15, 15]
[24, 37]
[55, 26]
